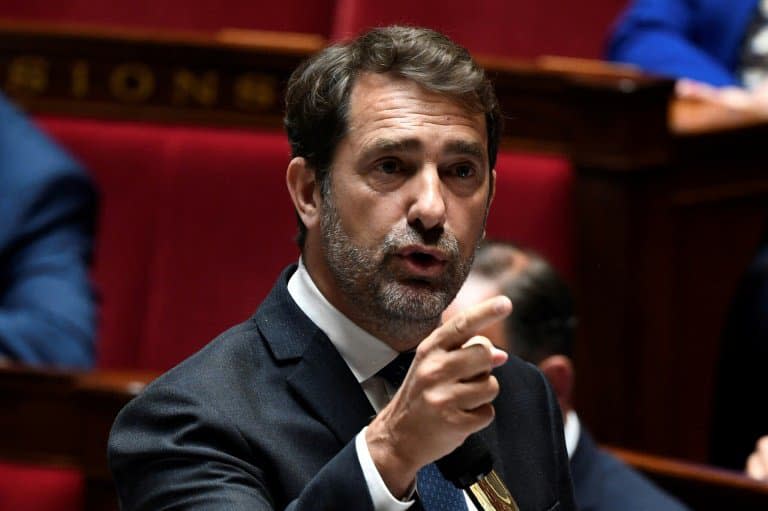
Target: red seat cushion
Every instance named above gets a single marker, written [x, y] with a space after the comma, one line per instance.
[30, 488]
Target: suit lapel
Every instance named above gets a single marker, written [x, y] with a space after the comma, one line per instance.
[321, 380]
[329, 390]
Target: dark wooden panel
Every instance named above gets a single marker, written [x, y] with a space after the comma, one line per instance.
[237, 79]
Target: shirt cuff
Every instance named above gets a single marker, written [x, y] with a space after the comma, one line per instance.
[382, 499]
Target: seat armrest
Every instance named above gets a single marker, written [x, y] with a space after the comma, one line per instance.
[702, 487]
[62, 418]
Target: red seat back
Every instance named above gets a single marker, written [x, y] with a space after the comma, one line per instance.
[533, 206]
[225, 232]
[126, 161]
[289, 15]
[514, 28]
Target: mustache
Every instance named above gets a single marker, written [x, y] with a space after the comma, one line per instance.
[434, 238]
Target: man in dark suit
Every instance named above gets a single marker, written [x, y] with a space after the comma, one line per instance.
[394, 137]
[47, 216]
[541, 332]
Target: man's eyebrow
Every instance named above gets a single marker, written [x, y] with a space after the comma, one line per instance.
[387, 145]
[467, 148]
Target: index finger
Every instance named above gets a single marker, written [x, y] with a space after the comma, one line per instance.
[454, 332]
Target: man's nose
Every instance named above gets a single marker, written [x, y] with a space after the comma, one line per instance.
[427, 205]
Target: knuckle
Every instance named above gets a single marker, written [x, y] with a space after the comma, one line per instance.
[435, 399]
[461, 324]
[430, 372]
[480, 341]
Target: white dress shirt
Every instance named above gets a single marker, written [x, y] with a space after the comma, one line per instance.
[572, 430]
[365, 355]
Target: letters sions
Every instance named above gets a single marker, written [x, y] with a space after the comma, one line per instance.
[137, 82]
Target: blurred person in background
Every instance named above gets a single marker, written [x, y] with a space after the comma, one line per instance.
[718, 49]
[540, 330]
[47, 212]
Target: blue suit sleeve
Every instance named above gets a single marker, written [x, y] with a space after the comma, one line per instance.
[47, 214]
[46, 300]
[655, 35]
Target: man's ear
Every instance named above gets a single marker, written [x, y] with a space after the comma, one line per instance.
[491, 195]
[559, 371]
[304, 190]
[492, 191]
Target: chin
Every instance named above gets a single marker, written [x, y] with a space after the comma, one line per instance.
[414, 300]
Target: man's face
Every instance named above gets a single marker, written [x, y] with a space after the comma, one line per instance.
[408, 200]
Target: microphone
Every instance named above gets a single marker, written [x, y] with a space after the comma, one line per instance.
[470, 468]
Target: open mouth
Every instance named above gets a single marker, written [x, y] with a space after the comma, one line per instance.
[422, 261]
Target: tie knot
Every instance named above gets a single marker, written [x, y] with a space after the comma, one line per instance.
[395, 371]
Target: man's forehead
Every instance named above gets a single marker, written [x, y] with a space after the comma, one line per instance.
[387, 110]
[375, 91]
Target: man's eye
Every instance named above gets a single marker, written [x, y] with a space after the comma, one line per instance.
[464, 171]
[388, 166]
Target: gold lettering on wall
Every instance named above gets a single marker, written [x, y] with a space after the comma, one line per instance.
[80, 79]
[190, 87]
[255, 91]
[27, 75]
[132, 82]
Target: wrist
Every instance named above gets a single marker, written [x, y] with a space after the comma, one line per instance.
[396, 470]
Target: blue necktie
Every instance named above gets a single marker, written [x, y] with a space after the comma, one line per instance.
[436, 493]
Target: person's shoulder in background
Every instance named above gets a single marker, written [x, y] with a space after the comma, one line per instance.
[47, 215]
[695, 39]
[604, 483]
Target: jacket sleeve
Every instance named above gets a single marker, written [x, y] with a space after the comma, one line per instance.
[169, 450]
[46, 301]
[654, 35]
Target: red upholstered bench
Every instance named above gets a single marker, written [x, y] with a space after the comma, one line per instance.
[196, 223]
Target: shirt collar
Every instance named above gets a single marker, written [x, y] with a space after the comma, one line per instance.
[572, 430]
[364, 354]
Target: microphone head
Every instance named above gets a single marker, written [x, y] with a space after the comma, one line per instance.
[468, 463]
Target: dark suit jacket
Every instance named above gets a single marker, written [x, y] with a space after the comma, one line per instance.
[603, 483]
[698, 39]
[265, 416]
[47, 215]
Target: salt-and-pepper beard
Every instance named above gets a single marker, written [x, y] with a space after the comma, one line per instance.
[392, 305]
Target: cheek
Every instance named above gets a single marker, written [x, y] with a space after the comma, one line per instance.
[369, 218]
[468, 223]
